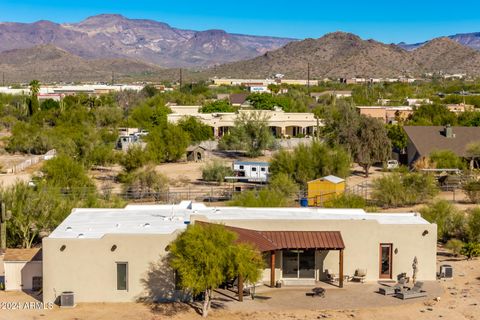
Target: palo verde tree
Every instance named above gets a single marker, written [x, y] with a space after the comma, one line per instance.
[250, 134]
[205, 256]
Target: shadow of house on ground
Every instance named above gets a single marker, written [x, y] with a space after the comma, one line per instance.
[160, 293]
[162, 296]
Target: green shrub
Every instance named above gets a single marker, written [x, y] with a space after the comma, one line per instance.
[474, 225]
[346, 200]
[145, 182]
[455, 246]
[397, 190]
[134, 158]
[471, 250]
[472, 190]
[446, 159]
[450, 222]
[216, 171]
[260, 198]
[284, 185]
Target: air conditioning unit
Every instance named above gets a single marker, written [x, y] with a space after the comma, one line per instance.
[446, 271]
[67, 299]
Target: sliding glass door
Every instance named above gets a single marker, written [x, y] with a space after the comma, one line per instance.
[298, 264]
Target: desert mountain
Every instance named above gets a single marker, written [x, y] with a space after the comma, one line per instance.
[471, 40]
[114, 36]
[346, 55]
[51, 64]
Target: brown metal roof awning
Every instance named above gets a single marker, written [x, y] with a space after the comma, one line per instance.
[278, 240]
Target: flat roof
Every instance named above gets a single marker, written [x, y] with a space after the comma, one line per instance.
[166, 219]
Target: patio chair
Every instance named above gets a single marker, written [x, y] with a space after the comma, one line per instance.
[415, 292]
[391, 290]
[360, 275]
[332, 277]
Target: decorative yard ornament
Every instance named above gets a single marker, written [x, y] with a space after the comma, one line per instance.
[415, 269]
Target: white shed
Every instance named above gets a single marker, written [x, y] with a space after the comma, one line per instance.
[23, 269]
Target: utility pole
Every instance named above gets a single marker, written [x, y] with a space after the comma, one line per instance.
[308, 77]
[3, 79]
[113, 78]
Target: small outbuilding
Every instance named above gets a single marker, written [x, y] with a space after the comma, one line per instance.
[23, 269]
[195, 153]
[323, 189]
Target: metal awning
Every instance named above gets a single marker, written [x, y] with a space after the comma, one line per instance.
[278, 240]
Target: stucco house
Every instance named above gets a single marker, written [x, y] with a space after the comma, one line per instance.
[117, 255]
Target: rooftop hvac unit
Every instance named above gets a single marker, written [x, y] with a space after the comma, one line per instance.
[67, 299]
[446, 271]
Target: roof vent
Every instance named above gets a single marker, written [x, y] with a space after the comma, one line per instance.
[146, 225]
[68, 229]
[117, 225]
[81, 235]
[448, 132]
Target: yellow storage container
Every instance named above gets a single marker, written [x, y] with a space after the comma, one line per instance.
[323, 189]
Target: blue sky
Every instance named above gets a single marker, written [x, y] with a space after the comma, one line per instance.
[387, 21]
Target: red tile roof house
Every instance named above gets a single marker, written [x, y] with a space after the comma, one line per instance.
[423, 140]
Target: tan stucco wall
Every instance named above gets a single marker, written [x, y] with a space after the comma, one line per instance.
[362, 244]
[88, 267]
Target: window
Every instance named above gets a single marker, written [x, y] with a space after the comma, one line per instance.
[122, 274]
[241, 167]
[254, 169]
[262, 169]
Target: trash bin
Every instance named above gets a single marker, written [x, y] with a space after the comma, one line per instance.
[278, 284]
[304, 202]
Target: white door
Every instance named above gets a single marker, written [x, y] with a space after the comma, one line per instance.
[13, 275]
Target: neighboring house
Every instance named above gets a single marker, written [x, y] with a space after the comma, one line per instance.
[386, 114]
[251, 171]
[23, 269]
[281, 123]
[422, 140]
[238, 99]
[333, 93]
[460, 107]
[118, 255]
[417, 102]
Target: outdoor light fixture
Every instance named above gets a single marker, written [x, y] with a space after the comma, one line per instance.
[424, 233]
[63, 247]
[396, 250]
[114, 247]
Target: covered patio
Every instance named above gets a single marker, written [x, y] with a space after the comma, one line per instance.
[297, 251]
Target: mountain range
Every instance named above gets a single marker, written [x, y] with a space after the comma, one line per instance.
[136, 49]
[339, 54]
[115, 36]
[471, 40]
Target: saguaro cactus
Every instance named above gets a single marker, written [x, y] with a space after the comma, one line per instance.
[4, 217]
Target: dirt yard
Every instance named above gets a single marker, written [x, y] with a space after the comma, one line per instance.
[458, 299]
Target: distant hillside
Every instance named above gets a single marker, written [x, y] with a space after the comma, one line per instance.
[50, 64]
[346, 55]
[471, 40]
[114, 36]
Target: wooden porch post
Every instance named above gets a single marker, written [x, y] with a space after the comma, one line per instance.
[240, 288]
[340, 272]
[272, 268]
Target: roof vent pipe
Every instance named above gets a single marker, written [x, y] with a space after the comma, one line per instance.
[449, 131]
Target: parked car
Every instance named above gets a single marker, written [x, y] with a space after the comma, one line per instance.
[392, 164]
